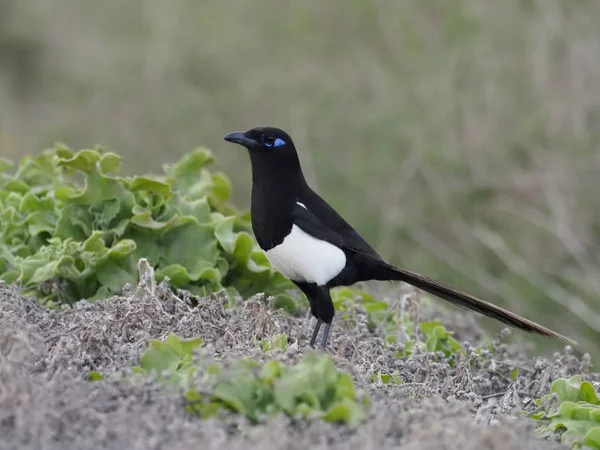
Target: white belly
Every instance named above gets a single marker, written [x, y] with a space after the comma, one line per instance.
[301, 257]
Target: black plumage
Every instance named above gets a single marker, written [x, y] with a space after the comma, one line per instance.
[312, 245]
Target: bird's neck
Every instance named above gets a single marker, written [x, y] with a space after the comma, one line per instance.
[275, 191]
[277, 177]
[278, 190]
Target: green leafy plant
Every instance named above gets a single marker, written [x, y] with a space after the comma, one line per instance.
[347, 299]
[573, 409]
[312, 388]
[279, 341]
[438, 339]
[171, 359]
[72, 228]
[386, 378]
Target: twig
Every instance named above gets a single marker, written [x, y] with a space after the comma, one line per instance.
[411, 384]
[64, 333]
[502, 394]
[506, 363]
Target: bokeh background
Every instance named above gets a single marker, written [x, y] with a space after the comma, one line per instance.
[461, 137]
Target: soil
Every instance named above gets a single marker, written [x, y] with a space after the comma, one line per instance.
[46, 401]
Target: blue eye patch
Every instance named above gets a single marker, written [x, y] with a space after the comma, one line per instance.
[278, 142]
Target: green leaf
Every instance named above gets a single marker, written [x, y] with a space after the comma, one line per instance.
[16, 186]
[592, 438]
[200, 406]
[221, 190]
[372, 307]
[278, 341]
[271, 371]
[62, 150]
[160, 357]
[344, 387]
[192, 246]
[183, 346]
[94, 376]
[114, 275]
[439, 339]
[110, 163]
[588, 393]
[122, 249]
[312, 380]
[180, 276]
[40, 222]
[347, 411]
[285, 302]
[148, 184]
[239, 394]
[198, 209]
[567, 390]
[66, 193]
[428, 327]
[184, 172]
[5, 164]
[225, 235]
[84, 161]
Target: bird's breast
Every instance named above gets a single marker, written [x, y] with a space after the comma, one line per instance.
[271, 216]
[302, 257]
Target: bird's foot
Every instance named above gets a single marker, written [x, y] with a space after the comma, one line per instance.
[313, 339]
[325, 336]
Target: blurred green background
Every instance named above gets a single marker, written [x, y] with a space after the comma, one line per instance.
[460, 137]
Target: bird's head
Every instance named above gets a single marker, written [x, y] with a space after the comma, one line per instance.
[270, 149]
[264, 139]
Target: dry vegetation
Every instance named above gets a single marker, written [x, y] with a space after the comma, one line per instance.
[45, 400]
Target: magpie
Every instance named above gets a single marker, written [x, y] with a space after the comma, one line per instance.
[309, 243]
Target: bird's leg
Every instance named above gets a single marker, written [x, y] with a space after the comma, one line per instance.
[325, 336]
[315, 333]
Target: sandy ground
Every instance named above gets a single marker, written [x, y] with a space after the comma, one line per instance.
[46, 402]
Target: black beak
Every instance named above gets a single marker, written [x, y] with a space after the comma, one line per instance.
[240, 137]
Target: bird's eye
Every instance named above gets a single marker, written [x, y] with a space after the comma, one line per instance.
[268, 140]
[271, 141]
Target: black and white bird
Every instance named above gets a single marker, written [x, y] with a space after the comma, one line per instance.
[308, 242]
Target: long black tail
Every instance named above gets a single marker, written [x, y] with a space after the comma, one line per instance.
[467, 301]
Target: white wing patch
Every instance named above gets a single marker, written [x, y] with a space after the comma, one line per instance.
[302, 257]
[302, 204]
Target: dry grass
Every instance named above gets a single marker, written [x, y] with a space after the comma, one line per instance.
[466, 130]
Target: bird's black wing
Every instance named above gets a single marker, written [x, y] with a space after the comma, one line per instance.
[352, 241]
[309, 223]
